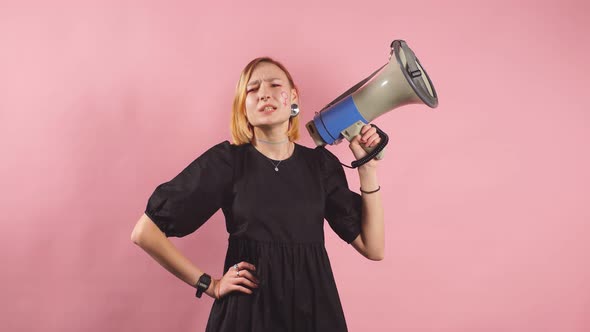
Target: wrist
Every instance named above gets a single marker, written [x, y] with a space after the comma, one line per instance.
[211, 290]
[368, 176]
[369, 167]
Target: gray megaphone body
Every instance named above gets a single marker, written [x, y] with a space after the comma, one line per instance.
[399, 82]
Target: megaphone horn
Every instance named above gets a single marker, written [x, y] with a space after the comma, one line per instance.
[399, 82]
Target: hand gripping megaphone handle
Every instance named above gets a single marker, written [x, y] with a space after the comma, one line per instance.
[401, 81]
[373, 152]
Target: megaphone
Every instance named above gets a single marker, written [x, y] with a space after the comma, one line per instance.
[399, 82]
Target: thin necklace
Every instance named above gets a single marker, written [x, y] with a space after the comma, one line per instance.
[277, 164]
[271, 142]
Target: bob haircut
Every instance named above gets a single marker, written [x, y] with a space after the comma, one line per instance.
[241, 130]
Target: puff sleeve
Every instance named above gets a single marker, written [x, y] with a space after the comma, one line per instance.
[343, 207]
[180, 206]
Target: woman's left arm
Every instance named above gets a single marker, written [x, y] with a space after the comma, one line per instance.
[371, 242]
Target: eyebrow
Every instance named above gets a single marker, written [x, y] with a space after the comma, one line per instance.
[258, 81]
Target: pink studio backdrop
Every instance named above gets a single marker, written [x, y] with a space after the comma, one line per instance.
[486, 197]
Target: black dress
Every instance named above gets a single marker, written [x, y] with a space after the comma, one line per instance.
[275, 221]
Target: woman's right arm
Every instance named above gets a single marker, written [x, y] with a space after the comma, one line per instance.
[152, 240]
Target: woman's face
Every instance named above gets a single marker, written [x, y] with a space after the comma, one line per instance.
[269, 96]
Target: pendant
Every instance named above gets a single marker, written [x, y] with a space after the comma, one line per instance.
[276, 169]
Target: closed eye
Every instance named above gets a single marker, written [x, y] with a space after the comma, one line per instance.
[274, 85]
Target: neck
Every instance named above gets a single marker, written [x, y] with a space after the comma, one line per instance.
[259, 140]
[273, 144]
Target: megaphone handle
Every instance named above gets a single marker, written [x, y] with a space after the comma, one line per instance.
[373, 152]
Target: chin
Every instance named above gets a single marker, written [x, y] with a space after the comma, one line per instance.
[271, 122]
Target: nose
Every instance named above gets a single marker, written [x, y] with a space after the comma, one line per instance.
[263, 93]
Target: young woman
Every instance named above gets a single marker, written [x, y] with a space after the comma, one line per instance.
[275, 195]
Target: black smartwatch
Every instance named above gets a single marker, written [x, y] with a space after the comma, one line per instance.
[203, 284]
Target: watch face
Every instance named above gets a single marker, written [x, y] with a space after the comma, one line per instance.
[203, 284]
[204, 281]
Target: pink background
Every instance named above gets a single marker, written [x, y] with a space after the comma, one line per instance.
[487, 217]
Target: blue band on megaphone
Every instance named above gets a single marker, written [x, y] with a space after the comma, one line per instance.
[333, 120]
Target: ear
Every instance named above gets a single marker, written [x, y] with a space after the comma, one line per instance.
[294, 96]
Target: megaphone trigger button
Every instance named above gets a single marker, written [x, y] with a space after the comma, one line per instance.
[415, 73]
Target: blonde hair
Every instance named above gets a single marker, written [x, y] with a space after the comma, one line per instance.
[241, 131]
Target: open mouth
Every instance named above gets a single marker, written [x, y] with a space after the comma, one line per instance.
[268, 109]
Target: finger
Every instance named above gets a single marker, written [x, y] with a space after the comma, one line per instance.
[238, 288]
[371, 131]
[365, 128]
[244, 281]
[373, 140]
[355, 143]
[231, 272]
[248, 275]
[359, 139]
[368, 134]
[246, 265]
